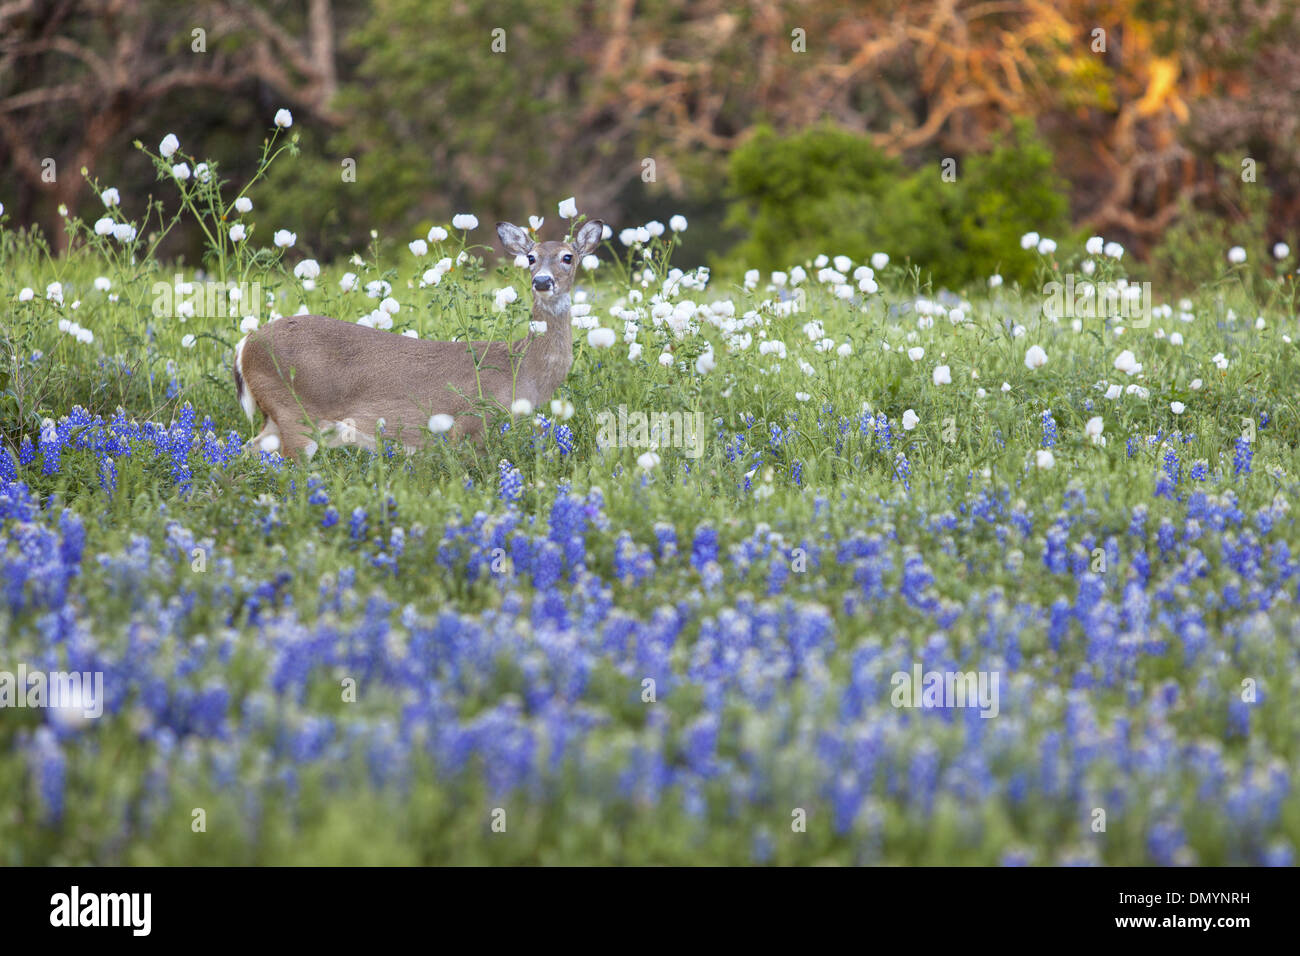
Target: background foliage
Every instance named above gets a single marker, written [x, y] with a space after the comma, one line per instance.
[1134, 99]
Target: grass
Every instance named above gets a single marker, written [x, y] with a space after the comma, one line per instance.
[541, 651]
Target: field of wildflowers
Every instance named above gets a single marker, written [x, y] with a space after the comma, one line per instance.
[557, 648]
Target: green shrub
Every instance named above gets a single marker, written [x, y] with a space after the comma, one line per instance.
[826, 190]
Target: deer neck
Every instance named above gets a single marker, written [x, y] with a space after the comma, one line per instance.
[548, 355]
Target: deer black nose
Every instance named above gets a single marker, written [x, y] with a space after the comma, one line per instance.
[543, 283]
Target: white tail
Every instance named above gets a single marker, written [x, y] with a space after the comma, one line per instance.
[319, 380]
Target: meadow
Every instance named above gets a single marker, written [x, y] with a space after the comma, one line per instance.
[567, 647]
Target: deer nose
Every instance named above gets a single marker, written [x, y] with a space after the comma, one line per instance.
[543, 283]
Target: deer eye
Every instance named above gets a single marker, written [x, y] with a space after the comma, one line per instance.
[568, 257]
[531, 259]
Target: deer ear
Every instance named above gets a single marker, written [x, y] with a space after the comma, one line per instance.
[588, 237]
[514, 239]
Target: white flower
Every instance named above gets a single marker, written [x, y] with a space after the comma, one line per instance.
[243, 204]
[1114, 250]
[1094, 429]
[503, 297]
[751, 278]
[1236, 255]
[248, 323]
[284, 238]
[879, 260]
[124, 232]
[418, 247]
[1006, 386]
[307, 269]
[168, 146]
[26, 295]
[677, 223]
[1127, 363]
[111, 197]
[1088, 267]
[187, 341]
[238, 232]
[103, 284]
[844, 350]
[1195, 385]
[655, 228]
[1035, 357]
[348, 282]
[1045, 458]
[1114, 392]
[634, 351]
[440, 423]
[601, 338]
[464, 221]
[1220, 361]
[390, 306]
[411, 334]
[521, 406]
[665, 359]
[995, 280]
[942, 375]
[1095, 246]
[181, 171]
[1029, 240]
[1046, 246]
[54, 292]
[1177, 407]
[916, 353]
[648, 461]
[202, 173]
[590, 262]
[802, 396]
[437, 234]
[1281, 250]
[568, 208]
[562, 409]
[706, 362]
[104, 226]
[283, 118]
[910, 420]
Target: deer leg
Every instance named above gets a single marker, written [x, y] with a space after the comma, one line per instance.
[268, 439]
[298, 441]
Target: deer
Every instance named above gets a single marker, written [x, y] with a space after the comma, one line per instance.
[321, 381]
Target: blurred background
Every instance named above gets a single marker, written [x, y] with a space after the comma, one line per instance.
[780, 128]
